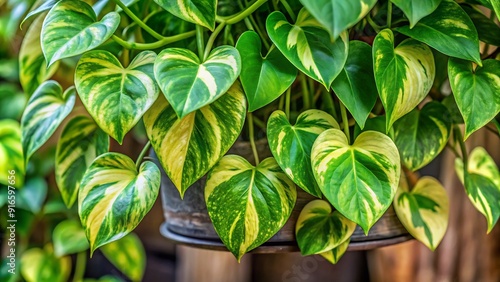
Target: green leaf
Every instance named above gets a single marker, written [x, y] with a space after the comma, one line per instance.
[449, 30]
[374, 124]
[355, 85]
[80, 143]
[359, 180]
[416, 9]
[200, 12]
[188, 83]
[116, 97]
[319, 229]
[248, 204]
[115, 196]
[487, 29]
[338, 15]
[291, 144]
[308, 46]
[128, 255]
[450, 103]
[12, 101]
[69, 238]
[482, 184]
[11, 154]
[46, 110]
[39, 7]
[496, 7]
[71, 28]
[422, 134]
[32, 196]
[476, 91]
[334, 255]
[39, 265]
[424, 210]
[404, 75]
[188, 148]
[263, 78]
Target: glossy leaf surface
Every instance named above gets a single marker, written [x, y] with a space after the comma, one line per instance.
[128, 255]
[200, 12]
[416, 9]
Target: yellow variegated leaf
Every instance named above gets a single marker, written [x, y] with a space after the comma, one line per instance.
[42, 265]
[334, 255]
[128, 255]
[12, 166]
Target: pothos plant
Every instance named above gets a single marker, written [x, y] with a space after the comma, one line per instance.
[352, 96]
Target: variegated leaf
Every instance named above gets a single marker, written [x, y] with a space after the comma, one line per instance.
[128, 255]
[338, 15]
[482, 184]
[487, 29]
[423, 210]
[359, 180]
[201, 12]
[188, 148]
[46, 110]
[71, 28]
[116, 97]
[334, 255]
[449, 30]
[404, 75]
[80, 143]
[188, 83]
[416, 9]
[291, 144]
[248, 204]
[39, 7]
[319, 229]
[115, 196]
[308, 46]
[69, 238]
[476, 91]
[11, 154]
[42, 265]
[422, 134]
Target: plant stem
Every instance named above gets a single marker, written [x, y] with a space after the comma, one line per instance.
[154, 45]
[81, 264]
[305, 92]
[389, 14]
[459, 138]
[211, 40]
[200, 41]
[125, 57]
[411, 177]
[252, 138]
[370, 21]
[243, 14]
[142, 155]
[138, 20]
[345, 121]
[287, 102]
[289, 10]
[453, 149]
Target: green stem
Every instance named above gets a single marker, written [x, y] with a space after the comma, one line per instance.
[81, 264]
[242, 15]
[138, 20]
[459, 138]
[328, 104]
[287, 102]
[453, 149]
[125, 57]
[142, 155]
[389, 14]
[305, 92]
[345, 121]
[370, 21]
[289, 10]
[252, 138]
[211, 40]
[200, 41]
[154, 45]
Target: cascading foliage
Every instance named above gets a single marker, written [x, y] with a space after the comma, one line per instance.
[354, 96]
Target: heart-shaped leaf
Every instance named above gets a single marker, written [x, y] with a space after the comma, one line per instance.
[487, 29]
[338, 15]
[476, 91]
[355, 86]
[404, 75]
[46, 110]
[319, 229]
[116, 97]
[11, 154]
[248, 204]
[188, 148]
[422, 134]
[200, 12]
[308, 46]
[41, 265]
[188, 83]
[80, 143]
[128, 255]
[71, 28]
[416, 9]
[263, 78]
[359, 180]
[334, 255]
[291, 144]
[449, 30]
[69, 238]
[115, 196]
[482, 184]
[424, 210]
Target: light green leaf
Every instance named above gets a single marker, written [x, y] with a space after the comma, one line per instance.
[308, 46]
[188, 83]
[416, 9]
[496, 7]
[128, 255]
[46, 110]
[115, 196]
[71, 28]
[404, 75]
[334, 255]
[80, 143]
[11, 154]
[291, 144]
[39, 7]
[188, 148]
[200, 12]
[39, 265]
[32, 196]
[248, 204]
[69, 238]
[487, 29]
[359, 180]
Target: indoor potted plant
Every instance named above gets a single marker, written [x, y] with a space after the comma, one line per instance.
[351, 95]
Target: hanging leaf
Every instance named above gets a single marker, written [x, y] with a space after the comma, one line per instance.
[422, 134]
[449, 30]
[46, 110]
[11, 154]
[71, 28]
[355, 85]
[263, 78]
[80, 143]
[366, 172]
[116, 97]
[404, 75]
[487, 29]
[188, 83]
[115, 196]
[424, 210]
[188, 148]
[476, 91]
[69, 238]
[291, 144]
[319, 229]
[416, 9]
[41, 265]
[308, 46]
[200, 12]
[334, 255]
[128, 255]
[39, 7]
[248, 204]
